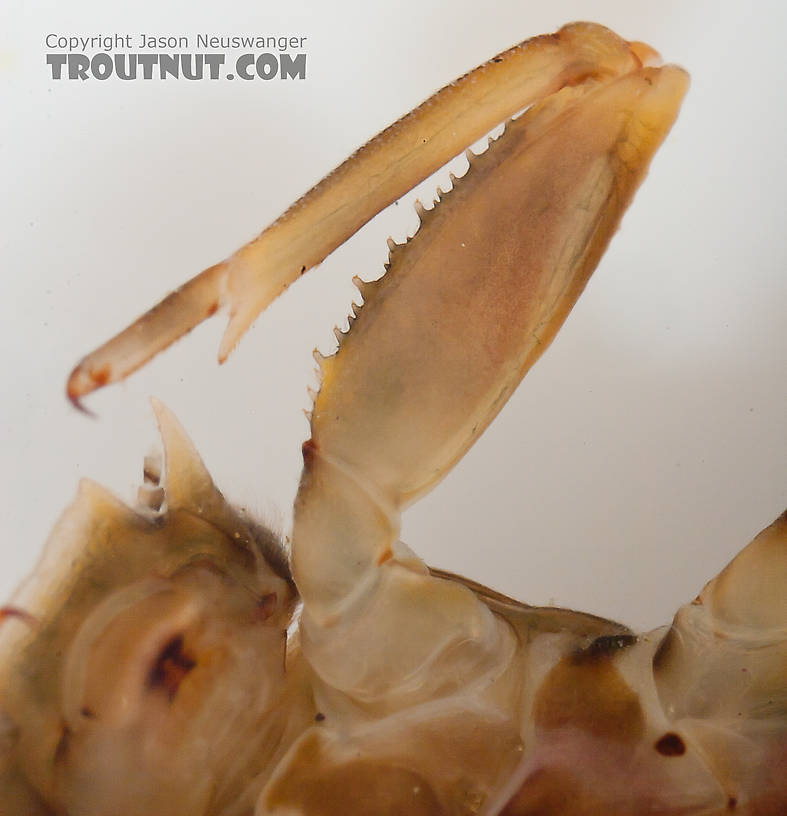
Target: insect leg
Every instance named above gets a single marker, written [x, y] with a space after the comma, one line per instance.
[375, 176]
[441, 342]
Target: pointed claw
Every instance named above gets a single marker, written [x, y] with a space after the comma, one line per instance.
[74, 393]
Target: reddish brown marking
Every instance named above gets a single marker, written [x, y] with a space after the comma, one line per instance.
[671, 745]
[309, 451]
[213, 308]
[101, 376]
[386, 555]
[586, 691]
[171, 667]
[7, 612]
[266, 606]
[732, 803]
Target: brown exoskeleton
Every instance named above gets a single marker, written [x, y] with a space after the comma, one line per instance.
[184, 663]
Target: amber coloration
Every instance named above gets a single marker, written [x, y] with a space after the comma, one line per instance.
[177, 660]
[589, 693]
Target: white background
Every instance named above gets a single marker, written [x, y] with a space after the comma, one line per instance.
[647, 446]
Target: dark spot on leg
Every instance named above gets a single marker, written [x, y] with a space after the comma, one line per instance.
[101, 376]
[319, 716]
[170, 668]
[670, 745]
[732, 803]
[308, 449]
[88, 713]
[266, 605]
[213, 308]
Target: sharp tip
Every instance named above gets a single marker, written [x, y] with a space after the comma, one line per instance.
[230, 339]
[75, 392]
[226, 347]
[241, 318]
[81, 408]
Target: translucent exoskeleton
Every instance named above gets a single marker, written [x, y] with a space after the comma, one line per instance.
[178, 659]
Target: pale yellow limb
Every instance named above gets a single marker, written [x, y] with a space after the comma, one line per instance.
[466, 307]
[372, 178]
[464, 311]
